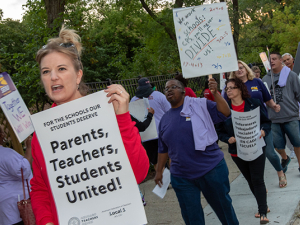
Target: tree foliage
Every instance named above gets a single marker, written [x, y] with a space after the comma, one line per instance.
[126, 38]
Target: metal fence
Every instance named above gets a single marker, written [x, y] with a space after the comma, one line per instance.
[197, 84]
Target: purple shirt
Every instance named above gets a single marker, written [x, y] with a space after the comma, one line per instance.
[176, 138]
[159, 103]
[11, 163]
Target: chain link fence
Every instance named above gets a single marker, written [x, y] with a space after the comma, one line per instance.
[197, 84]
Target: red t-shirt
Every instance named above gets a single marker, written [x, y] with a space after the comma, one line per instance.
[189, 92]
[207, 94]
[238, 108]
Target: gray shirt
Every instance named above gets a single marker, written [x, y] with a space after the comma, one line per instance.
[287, 97]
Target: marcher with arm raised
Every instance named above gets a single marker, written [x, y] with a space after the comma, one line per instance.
[61, 75]
[187, 135]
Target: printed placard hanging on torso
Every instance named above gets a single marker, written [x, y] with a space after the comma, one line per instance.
[246, 127]
[87, 165]
[204, 39]
[14, 108]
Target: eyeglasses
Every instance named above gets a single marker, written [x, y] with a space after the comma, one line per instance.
[169, 88]
[230, 88]
[241, 67]
[66, 45]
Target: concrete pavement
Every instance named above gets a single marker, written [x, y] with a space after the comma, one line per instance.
[283, 203]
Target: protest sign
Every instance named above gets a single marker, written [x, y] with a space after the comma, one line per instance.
[138, 109]
[246, 127]
[265, 61]
[222, 80]
[14, 108]
[89, 172]
[204, 40]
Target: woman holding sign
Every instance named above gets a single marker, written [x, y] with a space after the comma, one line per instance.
[258, 90]
[253, 170]
[61, 74]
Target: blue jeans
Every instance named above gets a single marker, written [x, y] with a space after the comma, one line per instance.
[271, 154]
[291, 129]
[215, 188]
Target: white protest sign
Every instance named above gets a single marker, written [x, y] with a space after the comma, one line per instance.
[246, 127]
[138, 109]
[204, 40]
[265, 61]
[222, 80]
[89, 172]
[14, 108]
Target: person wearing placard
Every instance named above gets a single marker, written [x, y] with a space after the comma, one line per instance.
[258, 90]
[197, 163]
[11, 164]
[61, 75]
[253, 170]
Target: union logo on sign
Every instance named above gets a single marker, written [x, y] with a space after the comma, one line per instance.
[2, 82]
[74, 221]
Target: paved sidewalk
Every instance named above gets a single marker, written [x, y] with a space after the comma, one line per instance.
[283, 203]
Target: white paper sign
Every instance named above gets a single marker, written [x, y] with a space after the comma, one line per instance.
[246, 127]
[204, 40]
[161, 191]
[222, 80]
[17, 114]
[265, 61]
[89, 172]
[139, 110]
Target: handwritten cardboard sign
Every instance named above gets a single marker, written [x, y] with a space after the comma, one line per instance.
[204, 40]
[14, 108]
[246, 127]
[89, 172]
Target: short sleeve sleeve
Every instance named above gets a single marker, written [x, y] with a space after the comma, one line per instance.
[215, 115]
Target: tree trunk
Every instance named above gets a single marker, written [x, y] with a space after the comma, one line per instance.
[179, 3]
[236, 25]
[167, 29]
[55, 9]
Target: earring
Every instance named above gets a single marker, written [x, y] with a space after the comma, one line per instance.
[77, 86]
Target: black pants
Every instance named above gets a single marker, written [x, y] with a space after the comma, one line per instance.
[20, 223]
[253, 171]
[151, 148]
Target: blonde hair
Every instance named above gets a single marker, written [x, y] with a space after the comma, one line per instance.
[250, 75]
[68, 43]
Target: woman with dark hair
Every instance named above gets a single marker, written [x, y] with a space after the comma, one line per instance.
[253, 171]
[258, 90]
[61, 75]
[188, 91]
